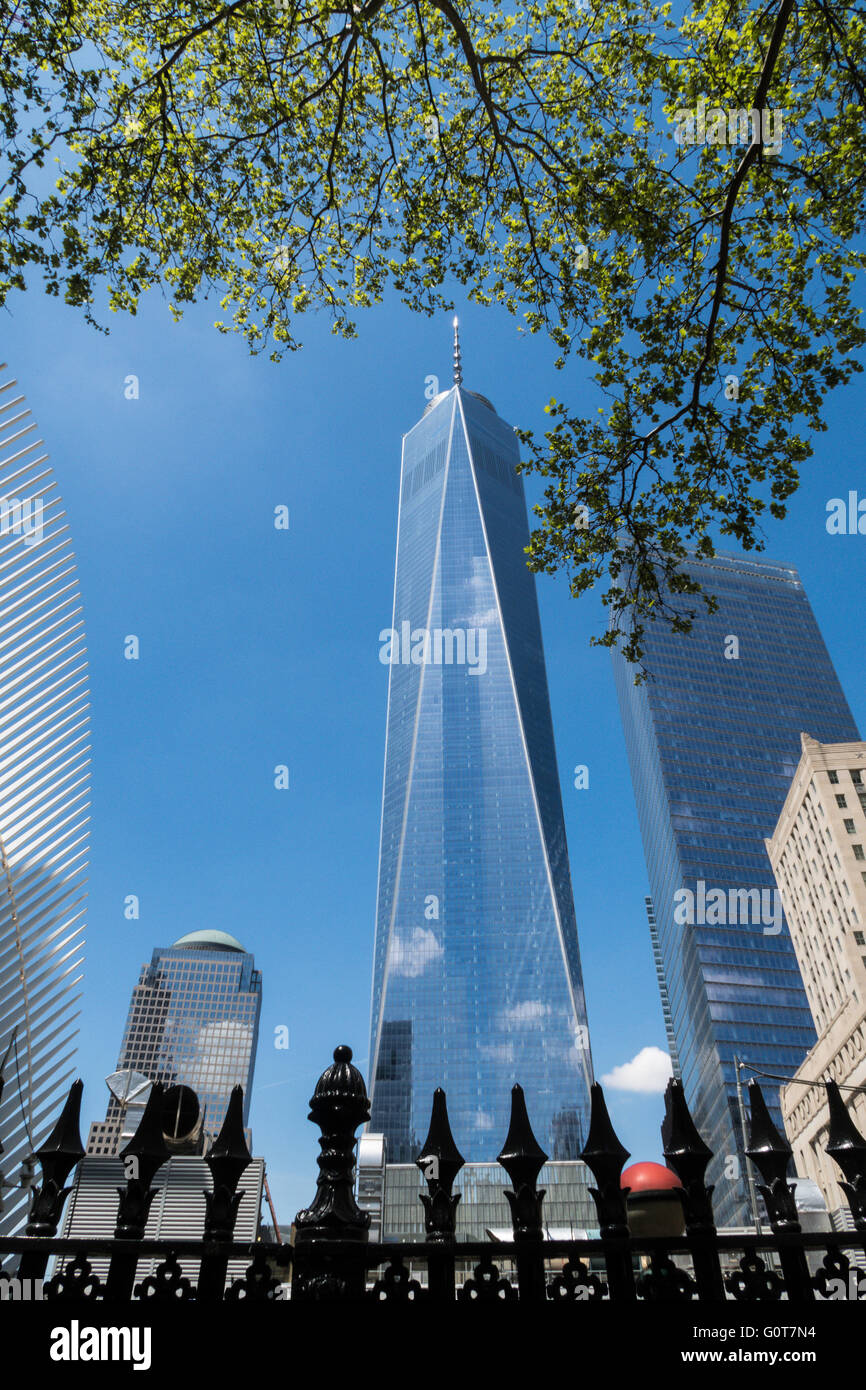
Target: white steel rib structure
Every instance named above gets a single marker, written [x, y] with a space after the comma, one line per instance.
[44, 758]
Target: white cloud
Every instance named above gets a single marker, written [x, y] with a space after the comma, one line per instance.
[648, 1072]
[411, 956]
[530, 1014]
[483, 617]
[478, 611]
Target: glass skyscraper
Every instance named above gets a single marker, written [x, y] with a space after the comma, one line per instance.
[477, 981]
[713, 740]
[193, 1021]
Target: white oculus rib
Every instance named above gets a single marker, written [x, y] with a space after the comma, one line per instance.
[44, 784]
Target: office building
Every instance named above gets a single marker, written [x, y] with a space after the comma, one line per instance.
[818, 854]
[193, 1021]
[477, 979]
[713, 738]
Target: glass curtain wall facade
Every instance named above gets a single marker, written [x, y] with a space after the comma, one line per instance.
[477, 981]
[193, 1021]
[713, 740]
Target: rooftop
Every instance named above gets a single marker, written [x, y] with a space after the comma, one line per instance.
[204, 939]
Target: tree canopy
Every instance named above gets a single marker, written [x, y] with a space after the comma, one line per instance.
[675, 199]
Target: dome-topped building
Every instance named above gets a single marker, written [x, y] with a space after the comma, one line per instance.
[193, 1021]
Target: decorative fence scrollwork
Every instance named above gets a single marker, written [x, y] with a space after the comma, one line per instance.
[333, 1260]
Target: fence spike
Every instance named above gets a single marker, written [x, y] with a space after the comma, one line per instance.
[769, 1149]
[688, 1156]
[771, 1153]
[145, 1153]
[847, 1147]
[440, 1161]
[523, 1158]
[227, 1160]
[605, 1157]
[60, 1153]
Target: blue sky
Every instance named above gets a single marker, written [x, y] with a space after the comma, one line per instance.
[260, 647]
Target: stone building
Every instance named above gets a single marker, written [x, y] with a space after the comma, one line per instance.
[818, 854]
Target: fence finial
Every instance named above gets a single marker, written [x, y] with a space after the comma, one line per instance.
[440, 1161]
[605, 1157]
[145, 1153]
[688, 1156]
[847, 1147]
[227, 1160]
[771, 1153]
[58, 1156]
[338, 1105]
[523, 1158]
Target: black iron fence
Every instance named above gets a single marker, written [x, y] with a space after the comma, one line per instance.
[332, 1257]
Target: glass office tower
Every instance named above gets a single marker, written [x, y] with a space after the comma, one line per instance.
[477, 980]
[713, 740]
[193, 1021]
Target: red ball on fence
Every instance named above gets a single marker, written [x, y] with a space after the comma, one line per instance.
[654, 1207]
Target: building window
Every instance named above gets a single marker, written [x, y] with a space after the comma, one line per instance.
[856, 776]
[849, 826]
[840, 800]
[834, 777]
[858, 851]
[860, 938]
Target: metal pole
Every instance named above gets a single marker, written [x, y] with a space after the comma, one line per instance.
[277, 1237]
[753, 1196]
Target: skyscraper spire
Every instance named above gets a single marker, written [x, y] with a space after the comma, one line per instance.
[458, 370]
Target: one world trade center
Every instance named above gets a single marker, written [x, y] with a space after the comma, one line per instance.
[477, 981]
